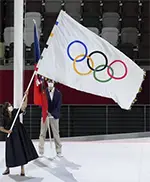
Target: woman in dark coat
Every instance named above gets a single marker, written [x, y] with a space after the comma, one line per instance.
[19, 147]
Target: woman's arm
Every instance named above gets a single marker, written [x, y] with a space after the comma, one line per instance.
[24, 105]
[5, 131]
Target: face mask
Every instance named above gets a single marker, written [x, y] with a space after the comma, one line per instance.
[50, 84]
[10, 108]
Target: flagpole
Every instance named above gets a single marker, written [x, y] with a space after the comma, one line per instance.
[50, 139]
[22, 102]
[34, 73]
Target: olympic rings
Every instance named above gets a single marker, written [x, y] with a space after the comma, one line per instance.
[103, 65]
[91, 67]
[74, 65]
[117, 78]
[94, 73]
[86, 51]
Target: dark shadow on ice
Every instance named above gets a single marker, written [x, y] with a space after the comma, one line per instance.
[19, 178]
[59, 168]
[38, 163]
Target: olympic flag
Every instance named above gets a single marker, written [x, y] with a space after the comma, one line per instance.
[82, 60]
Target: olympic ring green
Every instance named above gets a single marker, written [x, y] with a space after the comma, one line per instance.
[103, 81]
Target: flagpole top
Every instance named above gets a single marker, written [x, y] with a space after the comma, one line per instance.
[34, 21]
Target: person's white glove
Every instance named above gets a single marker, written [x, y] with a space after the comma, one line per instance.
[49, 115]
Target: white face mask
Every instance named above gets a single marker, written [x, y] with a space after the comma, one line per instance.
[50, 84]
[10, 108]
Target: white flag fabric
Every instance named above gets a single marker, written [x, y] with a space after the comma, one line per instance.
[82, 60]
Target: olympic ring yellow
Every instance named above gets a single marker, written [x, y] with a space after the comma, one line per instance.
[74, 65]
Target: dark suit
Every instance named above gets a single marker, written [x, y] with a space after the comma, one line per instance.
[54, 105]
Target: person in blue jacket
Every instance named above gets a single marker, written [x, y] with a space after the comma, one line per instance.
[54, 98]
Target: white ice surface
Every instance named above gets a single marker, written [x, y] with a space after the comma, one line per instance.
[97, 161]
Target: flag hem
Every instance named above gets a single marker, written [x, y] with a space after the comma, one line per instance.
[140, 90]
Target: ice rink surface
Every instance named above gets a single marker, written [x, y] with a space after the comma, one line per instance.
[98, 161]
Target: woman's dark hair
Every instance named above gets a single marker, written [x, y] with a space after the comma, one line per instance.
[5, 109]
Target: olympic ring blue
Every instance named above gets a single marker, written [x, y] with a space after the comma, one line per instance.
[86, 50]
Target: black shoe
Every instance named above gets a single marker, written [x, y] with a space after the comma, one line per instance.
[22, 174]
[6, 172]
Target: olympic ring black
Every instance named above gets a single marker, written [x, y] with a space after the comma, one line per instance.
[106, 64]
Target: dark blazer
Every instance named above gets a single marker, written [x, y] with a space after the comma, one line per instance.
[54, 105]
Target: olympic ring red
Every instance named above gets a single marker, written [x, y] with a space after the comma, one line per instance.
[117, 78]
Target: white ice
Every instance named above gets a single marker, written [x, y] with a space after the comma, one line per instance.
[97, 161]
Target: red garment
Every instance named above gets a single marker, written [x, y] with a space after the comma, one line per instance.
[40, 97]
